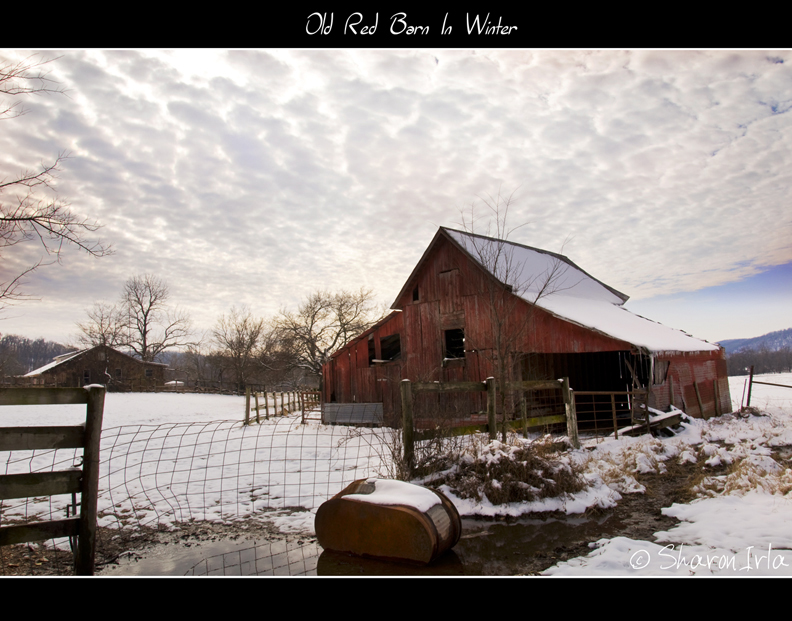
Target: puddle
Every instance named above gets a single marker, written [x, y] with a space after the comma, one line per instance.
[513, 547]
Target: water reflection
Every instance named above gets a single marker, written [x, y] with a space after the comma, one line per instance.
[276, 558]
[488, 547]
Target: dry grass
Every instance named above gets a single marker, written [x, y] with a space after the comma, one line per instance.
[519, 472]
[743, 476]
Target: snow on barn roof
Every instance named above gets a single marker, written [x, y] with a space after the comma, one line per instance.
[55, 362]
[557, 285]
[66, 357]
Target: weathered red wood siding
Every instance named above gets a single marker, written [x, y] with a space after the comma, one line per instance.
[453, 292]
[704, 369]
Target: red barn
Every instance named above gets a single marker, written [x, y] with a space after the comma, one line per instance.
[558, 321]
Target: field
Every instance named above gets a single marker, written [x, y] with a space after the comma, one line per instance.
[169, 459]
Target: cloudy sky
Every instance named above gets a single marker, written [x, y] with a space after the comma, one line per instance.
[258, 176]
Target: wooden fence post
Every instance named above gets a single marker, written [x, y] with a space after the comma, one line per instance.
[613, 412]
[571, 414]
[247, 405]
[407, 426]
[86, 547]
[491, 424]
[258, 419]
[750, 385]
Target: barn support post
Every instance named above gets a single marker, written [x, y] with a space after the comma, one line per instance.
[698, 398]
[491, 424]
[571, 414]
[408, 438]
[613, 412]
[671, 390]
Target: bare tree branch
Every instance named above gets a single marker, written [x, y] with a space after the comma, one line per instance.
[515, 283]
[25, 214]
[238, 337]
[152, 327]
[106, 325]
[325, 322]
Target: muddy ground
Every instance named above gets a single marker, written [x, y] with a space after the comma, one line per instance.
[519, 546]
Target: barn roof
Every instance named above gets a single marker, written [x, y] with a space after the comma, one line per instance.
[554, 283]
[58, 360]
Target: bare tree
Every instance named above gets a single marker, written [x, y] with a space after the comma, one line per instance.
[28, 213]
[238, 337]
[325, 322]
[106, 325]
[515, 283]
[152, 327]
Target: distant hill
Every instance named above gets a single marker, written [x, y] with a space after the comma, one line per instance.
[773, 341]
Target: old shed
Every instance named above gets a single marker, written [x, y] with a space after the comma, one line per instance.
[98, 365]
[560, 320]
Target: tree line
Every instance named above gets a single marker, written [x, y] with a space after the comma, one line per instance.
[763, 360]
[242, 348]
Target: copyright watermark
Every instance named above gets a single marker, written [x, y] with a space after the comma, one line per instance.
[751, 560]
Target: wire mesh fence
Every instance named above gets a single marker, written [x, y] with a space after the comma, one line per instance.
[160, 476]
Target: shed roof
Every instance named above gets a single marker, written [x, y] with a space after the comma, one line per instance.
[58, 360]
[555, 284]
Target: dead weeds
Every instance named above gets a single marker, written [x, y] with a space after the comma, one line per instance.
[506, 473]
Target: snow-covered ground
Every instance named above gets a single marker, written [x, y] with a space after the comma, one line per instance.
[174, 457]
[742, 524]
[169, 457]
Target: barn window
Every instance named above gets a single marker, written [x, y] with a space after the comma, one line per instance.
[86, 377]
[118, 373]
[455, 343]
[371, 352]
[391, 347]
[149, 373]
[415, 294]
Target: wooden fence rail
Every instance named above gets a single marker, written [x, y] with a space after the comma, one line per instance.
[84, 481]
[752, 381]
[409, 389]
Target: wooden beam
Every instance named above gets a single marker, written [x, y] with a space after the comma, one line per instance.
[43, 396]
[449, 386]
[33, 438]
[31, 484]
[534, 385]
[39, 531]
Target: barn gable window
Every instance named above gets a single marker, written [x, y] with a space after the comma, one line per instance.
[415, 295]
[390, 347]
[454, 343]
[371, 352]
